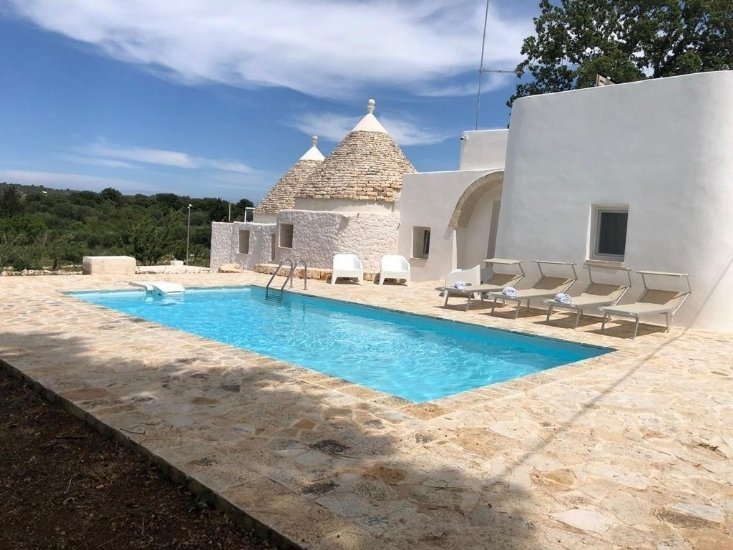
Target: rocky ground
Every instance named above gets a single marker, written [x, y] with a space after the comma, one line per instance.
[66, 486]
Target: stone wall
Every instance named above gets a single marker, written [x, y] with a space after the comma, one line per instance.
[225, 244]
[318, 236]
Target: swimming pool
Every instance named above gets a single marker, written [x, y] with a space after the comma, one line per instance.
[411, 356]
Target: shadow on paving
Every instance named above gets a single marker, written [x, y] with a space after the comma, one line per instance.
[316, 465]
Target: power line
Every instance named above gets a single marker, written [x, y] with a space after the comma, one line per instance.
[481, 64]
[481, 69]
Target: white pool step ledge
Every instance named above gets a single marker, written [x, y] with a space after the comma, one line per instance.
[160, 287]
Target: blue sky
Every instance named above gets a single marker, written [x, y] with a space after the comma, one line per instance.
[219, 98]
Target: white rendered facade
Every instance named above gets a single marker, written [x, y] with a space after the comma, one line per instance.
[661, 150]
[460, 208]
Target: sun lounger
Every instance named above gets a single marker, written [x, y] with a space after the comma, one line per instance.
[545, 287]
[594, 296]
[496, 282]
[652, 301]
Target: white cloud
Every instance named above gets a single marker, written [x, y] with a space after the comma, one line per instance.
[328, 126]
[335, 127]
[62, 180]
[101, 153]
[227, 166]
[320, 47]
[108, 163]
[138, 154]
[490, 83]
[234, 185]
[405, 132]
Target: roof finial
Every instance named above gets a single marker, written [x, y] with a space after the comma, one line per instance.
[370, 106]
[314, 141]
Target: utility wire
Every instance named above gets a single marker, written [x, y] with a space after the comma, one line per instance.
[481, 69]
[481, 64]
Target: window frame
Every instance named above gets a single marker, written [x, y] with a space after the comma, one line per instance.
[597, 214]
[421, 242]
[249, 237]
[291, 231]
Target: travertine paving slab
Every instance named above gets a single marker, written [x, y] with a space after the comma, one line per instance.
[630, 450]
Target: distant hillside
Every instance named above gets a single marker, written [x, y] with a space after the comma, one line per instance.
[42, 227]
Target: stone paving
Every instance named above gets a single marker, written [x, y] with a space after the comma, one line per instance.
[630, 450]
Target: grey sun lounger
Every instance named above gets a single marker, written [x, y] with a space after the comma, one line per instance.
[594, 296]
[545, 287]
[652, 301]
[496, 282]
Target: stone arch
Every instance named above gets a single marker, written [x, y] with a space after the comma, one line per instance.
[464, 207]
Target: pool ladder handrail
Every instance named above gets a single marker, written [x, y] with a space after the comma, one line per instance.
[305, 272]
[293, 266]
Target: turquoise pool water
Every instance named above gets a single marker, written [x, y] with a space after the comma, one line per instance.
[410, 356]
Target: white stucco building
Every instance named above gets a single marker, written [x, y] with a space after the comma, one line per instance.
[457, 211]
[637, 175]
[650, 160]
[343, 204]
[247, 245]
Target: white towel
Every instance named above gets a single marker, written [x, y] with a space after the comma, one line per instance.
[563, 298]
[460, 285]
[510, 292]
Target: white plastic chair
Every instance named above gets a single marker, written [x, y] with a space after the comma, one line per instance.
[394, 267]
[347, 265]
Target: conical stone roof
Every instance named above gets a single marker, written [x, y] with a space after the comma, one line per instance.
[282, 195]
[366, 166]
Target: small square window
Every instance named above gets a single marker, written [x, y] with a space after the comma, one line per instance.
[286, 235]
[420, 242]
[244, 241]
[609, 233]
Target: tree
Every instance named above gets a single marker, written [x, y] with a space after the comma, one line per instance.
[625, 41]
[112, 195]
[152, 240]
[11, 202]
[239, 209]
[55, 229]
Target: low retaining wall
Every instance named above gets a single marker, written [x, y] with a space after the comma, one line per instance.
[313, 273]
[108, 265]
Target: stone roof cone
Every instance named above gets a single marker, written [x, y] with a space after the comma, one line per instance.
[282, 195]
[366, 166]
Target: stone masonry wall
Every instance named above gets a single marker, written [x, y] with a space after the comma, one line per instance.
[225, 244]
[318, 236]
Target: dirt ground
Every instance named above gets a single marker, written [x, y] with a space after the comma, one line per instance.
[62, 485]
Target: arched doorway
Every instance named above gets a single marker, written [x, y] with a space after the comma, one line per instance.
[476, 219]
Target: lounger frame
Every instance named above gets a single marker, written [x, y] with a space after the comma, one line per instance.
[469, 292]
[578, 308]
[668, 312]
[569, 281]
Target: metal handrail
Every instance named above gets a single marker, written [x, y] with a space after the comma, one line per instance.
[305, 273]
[277, 269]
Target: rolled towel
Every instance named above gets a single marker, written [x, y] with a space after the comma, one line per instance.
[563, 298]
[510, 292]
[460, 285]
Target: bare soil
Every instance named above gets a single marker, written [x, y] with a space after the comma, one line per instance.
[63, 485]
